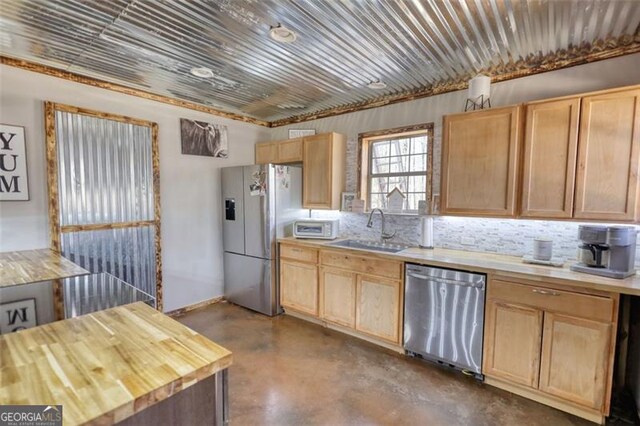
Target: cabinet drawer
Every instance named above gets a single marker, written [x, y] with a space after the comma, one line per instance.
[553, 300]
[354, 263]
[304, 254]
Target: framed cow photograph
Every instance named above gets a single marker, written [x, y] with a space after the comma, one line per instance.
[205, 139]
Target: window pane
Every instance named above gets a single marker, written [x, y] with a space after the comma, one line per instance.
[418, 163]
[419, 145]
[379, 185]
[399, 164]
[380, 165]
[400, 147]
[413, 199]
[417, 184]
[378, 201]
[381, 149]
[398, 181]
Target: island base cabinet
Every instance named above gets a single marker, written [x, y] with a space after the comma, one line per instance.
[204, 403]
[378, 306]
[338, 296]
[299, 287]
[512, 341]
[574, 359]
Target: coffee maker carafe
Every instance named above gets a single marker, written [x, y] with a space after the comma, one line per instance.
[593, 250]
[608, 251]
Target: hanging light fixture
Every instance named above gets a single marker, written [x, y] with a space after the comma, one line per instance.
[479, 93]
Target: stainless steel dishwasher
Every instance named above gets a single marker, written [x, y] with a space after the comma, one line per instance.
[444, 316]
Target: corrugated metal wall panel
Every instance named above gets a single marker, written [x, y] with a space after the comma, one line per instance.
[95, 292]
[127, 253]
[105, 170]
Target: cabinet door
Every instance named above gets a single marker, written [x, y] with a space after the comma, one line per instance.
[575, 355]
[266, 153]
[512, 341]
[317, 167]
[378, 307]
[608, 151]
[549, 166]
[479, 162]
[338, 296]
[290, 151]
[299, 287]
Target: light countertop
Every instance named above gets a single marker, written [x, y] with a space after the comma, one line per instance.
[503, 265]
[105, 366]
[30, 266]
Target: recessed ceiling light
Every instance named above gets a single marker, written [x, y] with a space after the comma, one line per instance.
[377, 85]
[202, 72]
[282, 34]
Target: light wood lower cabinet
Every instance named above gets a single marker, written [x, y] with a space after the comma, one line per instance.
[512, 342]
[552, 345]
[356, 294]
[575, 359]
[338, 296]
[378, 307]
[299, 286]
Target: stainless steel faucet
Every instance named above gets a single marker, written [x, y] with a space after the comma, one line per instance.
[383, 235]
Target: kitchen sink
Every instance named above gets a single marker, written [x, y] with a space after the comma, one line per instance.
[371, 245]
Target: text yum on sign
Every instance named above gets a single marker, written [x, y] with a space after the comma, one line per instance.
[13, 164]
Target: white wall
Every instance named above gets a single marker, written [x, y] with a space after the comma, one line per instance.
[189, 185]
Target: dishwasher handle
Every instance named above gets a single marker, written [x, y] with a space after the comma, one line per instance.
[444, 280]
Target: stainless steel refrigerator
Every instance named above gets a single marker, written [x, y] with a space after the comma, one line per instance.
[260, 204]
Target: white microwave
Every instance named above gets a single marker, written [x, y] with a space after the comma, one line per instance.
[326, 229]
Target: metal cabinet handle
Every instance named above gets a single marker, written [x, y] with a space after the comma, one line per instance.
[445, 280]
[545, 292]
[296, 250]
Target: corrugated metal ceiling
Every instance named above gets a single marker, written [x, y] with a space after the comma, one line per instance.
[342, 45]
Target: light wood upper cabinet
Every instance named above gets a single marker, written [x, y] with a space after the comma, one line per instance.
[575, 357]
[323, 171]
[378, 305]
[323, 166]
[279, 152]
[338, 296]
[512, 342]
[266, 153]
[480, 152]
[549, 161]
[290, 151]
[608, 151]
[299, 286]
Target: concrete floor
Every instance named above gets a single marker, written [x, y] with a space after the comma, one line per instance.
[290, 372]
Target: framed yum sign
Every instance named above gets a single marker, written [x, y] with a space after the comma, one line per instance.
[14, 185]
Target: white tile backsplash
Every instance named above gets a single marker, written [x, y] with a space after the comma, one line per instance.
[504, 236]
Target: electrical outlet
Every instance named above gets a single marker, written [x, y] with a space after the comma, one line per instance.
[467, 241]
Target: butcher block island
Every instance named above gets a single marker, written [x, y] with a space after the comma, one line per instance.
[28, 266]
[124, 364]
[549, 333]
